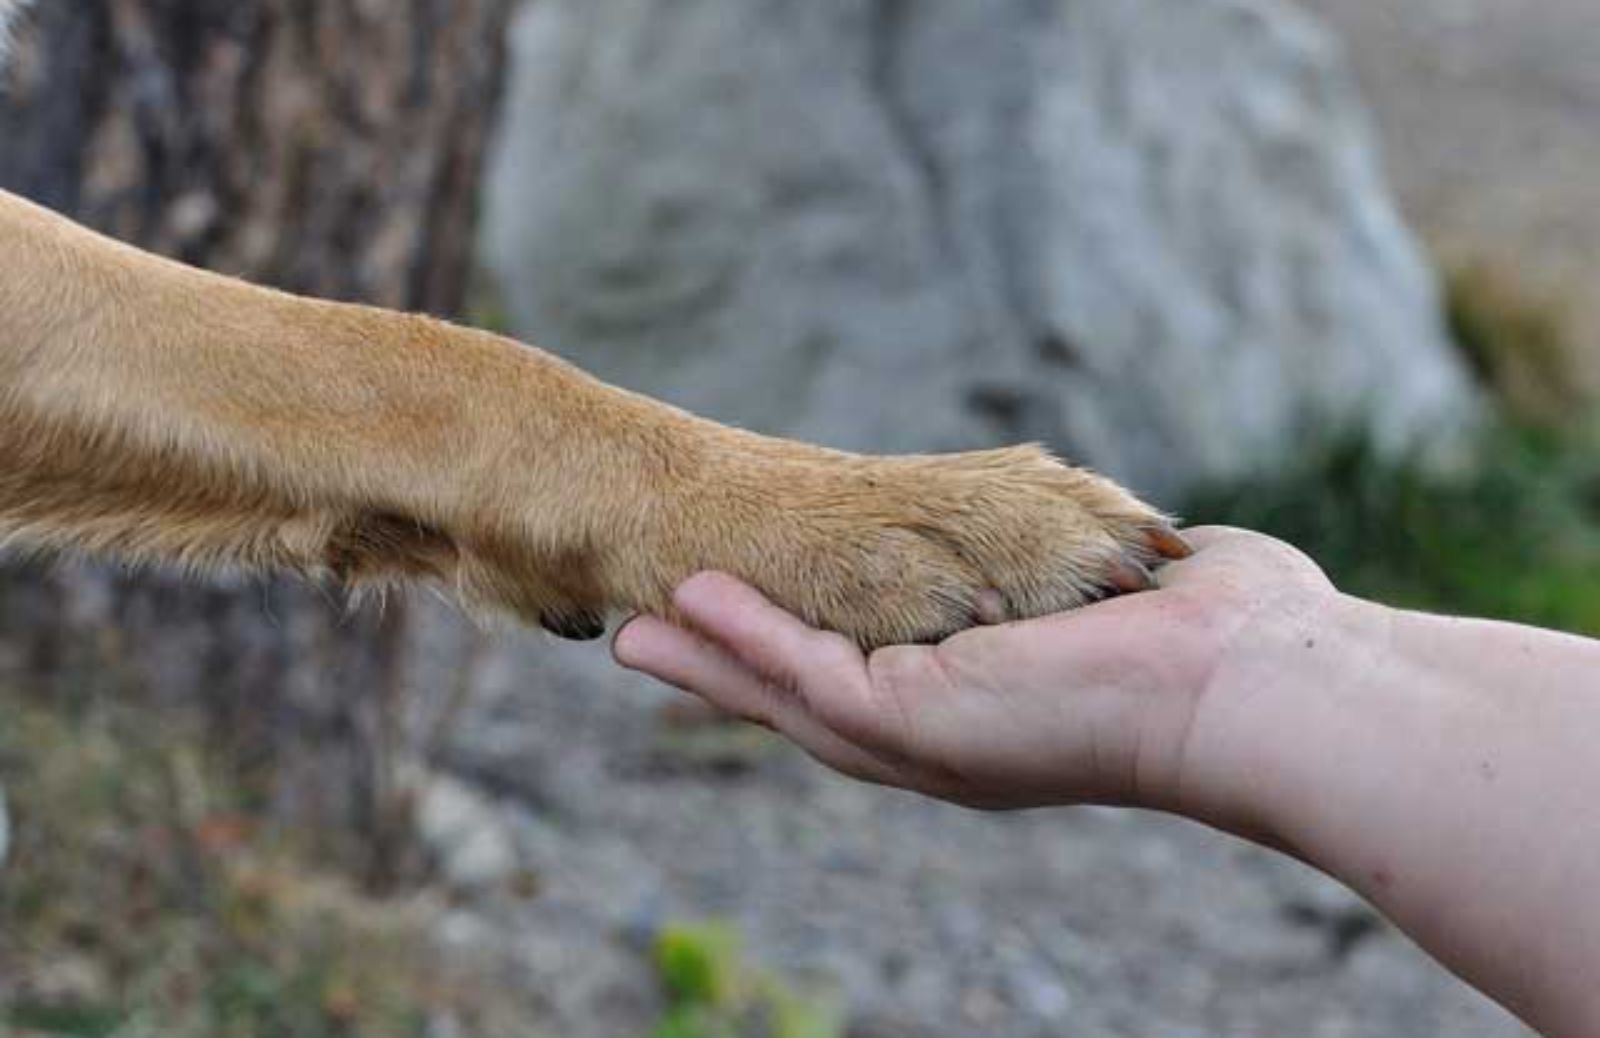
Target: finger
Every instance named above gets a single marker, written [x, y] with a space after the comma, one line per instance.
[767, 639]
[684, 660]
[1228, 556]
[1200, 538]
[1207, 542]
[690, 662]
[825, 674]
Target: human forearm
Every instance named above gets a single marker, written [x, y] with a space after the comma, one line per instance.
[1447, 770]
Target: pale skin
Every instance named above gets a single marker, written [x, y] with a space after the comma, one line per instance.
[1445, 769]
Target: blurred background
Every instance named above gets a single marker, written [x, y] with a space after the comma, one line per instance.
[1324, 269]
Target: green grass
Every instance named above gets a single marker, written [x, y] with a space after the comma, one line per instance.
[1515, 538]
[712, 993]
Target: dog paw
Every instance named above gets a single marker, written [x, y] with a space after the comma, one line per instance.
[908, 550]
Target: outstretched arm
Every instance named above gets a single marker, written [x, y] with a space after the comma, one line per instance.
[1446, 769]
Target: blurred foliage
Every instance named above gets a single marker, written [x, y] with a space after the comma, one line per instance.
[699, 963]
[1516, 537]
[142, 899]
[1518, 341]
[711, 993]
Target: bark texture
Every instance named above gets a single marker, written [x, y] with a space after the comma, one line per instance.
[330, 148]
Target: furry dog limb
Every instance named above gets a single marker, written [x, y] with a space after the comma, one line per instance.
[153, 412]
[157, 413]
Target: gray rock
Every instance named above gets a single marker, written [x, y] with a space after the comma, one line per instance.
[1151, 232]
[9, 10]
[465, 834]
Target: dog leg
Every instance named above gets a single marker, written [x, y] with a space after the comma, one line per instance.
[154, 412]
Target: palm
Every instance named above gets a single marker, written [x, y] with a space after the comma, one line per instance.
[1089, 705]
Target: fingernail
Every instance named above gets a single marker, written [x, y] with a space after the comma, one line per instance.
[621, 645]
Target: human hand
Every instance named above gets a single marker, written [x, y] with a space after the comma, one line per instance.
[1420, 759]
[1100, 705]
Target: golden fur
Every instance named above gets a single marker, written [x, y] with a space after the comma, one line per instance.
[157, 413]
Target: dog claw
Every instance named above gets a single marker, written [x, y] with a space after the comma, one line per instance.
[1131, 577]
[1168, 543]
[574, 627]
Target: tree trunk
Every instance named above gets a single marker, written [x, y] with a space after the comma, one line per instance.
[329, 148]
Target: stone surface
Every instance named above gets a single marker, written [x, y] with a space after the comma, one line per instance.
[9, 10]
[1153, 234]
[465, 834]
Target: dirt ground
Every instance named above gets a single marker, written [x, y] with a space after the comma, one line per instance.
[1489, 111]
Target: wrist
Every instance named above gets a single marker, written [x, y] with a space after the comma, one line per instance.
[1280, 697]
[1440, 768]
